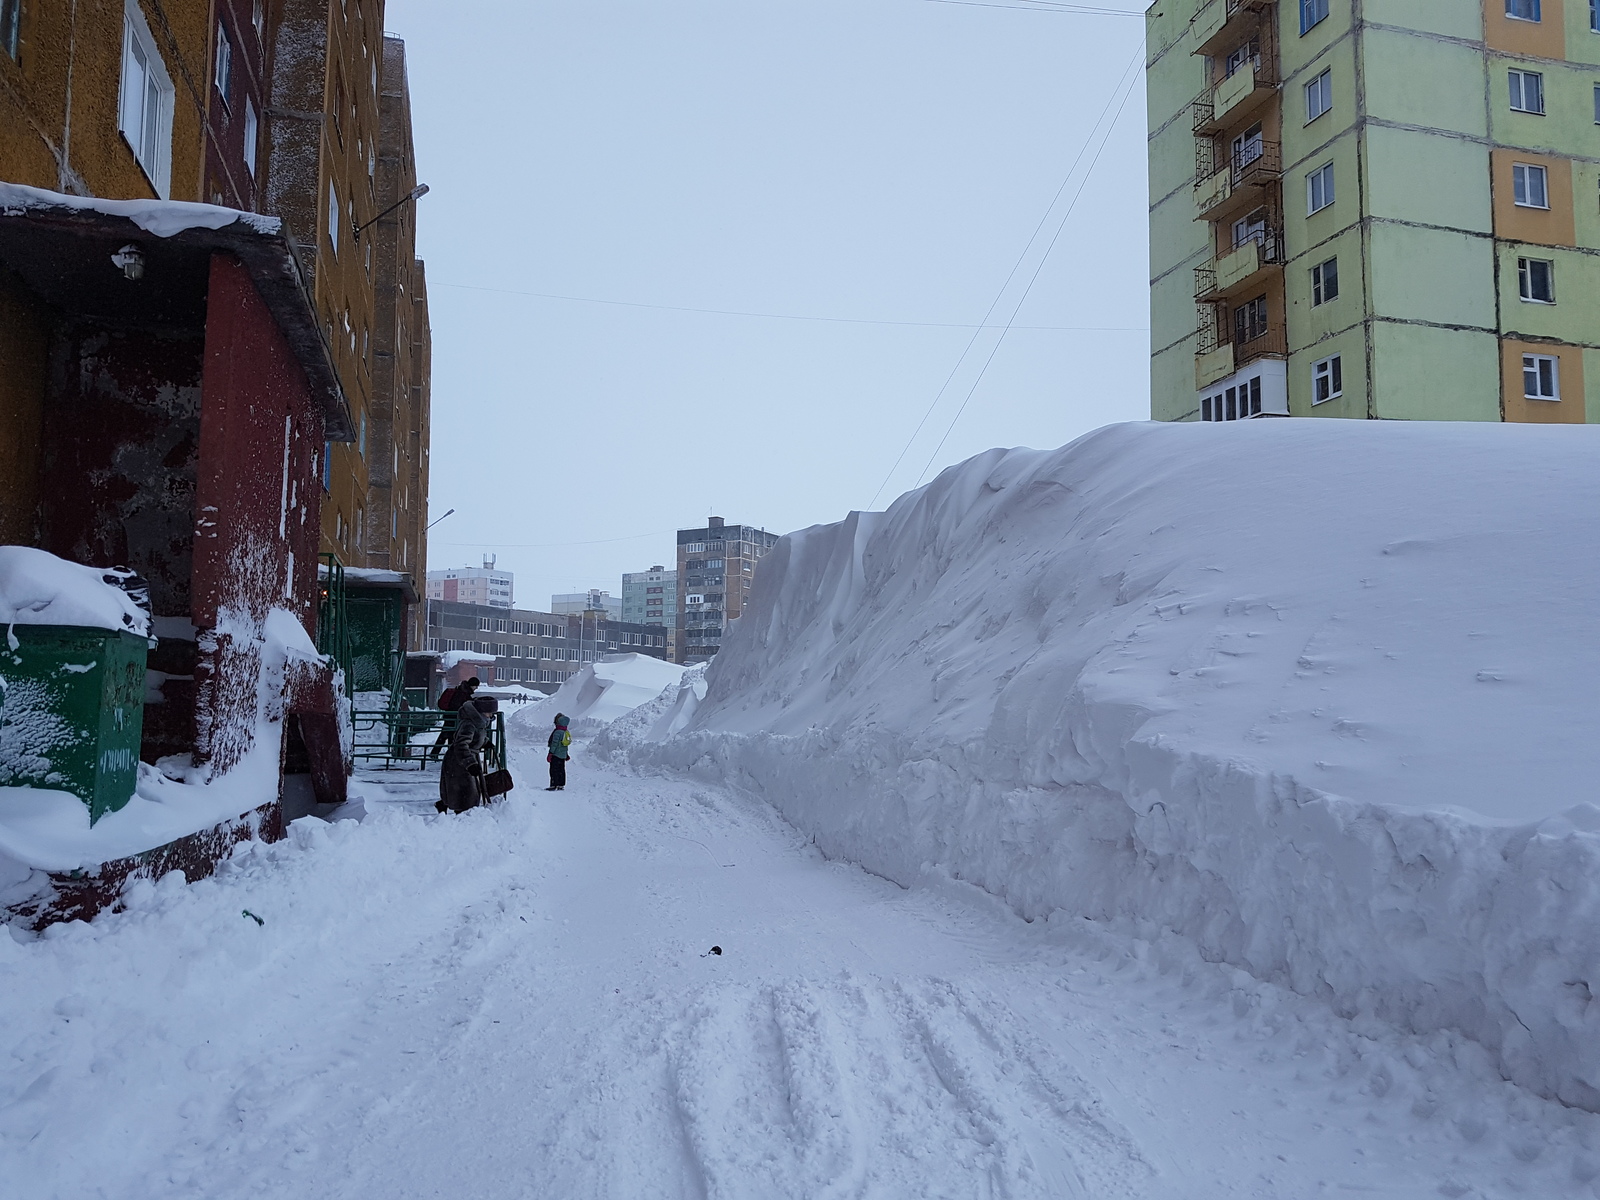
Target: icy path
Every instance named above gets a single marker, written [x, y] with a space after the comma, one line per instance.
[515, 1004]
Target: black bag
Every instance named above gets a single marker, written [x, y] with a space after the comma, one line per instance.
[497, 783]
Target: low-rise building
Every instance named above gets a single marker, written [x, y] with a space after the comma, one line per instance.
[715, 568]
[537, 649]
[594, 600]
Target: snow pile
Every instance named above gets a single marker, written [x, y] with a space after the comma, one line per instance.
[452, 659]
[37, 588]
[603, 691]
[1318, 695]
[656, 720]
[45, 830]
[162, 218]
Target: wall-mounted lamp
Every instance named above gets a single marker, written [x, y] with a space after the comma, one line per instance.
[415, 193]
[131, 259]
[431, 524]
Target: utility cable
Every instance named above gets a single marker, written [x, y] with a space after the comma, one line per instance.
[731, 312]
[1045, 257]
[999, 295]
[1044, 6]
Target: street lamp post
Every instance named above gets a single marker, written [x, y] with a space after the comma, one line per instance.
[415, 193]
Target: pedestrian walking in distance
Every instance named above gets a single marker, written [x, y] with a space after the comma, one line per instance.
[458, 778]
[451, 700]
[560, 749]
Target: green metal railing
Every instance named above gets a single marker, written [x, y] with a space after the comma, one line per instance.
[333, 623]
[403, 739]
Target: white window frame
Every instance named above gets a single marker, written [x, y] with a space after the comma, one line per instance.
[1534, 5]
[1522, 176]
[1320, 293]
[333, 216]
[224, 73]
[1525, 274]
[1328, 370]
[1319, 92]
[144, 109]
[252, 135]
[1520, 89]
[1324, 175]
[1532, 364]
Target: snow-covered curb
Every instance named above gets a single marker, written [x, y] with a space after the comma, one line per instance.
[1275, 688]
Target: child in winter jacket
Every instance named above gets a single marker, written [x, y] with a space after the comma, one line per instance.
[560, 741]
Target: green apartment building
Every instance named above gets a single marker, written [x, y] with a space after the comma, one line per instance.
[1375, 208]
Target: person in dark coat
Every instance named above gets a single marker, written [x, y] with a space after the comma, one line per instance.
[451, 700]
[560, 750]
[458, 778]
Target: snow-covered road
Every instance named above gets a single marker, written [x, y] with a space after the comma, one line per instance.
[521, 1003]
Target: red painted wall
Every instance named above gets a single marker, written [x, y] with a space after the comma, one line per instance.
[256, 504]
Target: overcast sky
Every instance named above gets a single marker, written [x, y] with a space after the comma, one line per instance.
[882, 163]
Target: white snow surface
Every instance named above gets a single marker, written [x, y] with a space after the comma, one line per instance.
[452, 659]
[1319, 696]
[161, 218]
[603, 691]
[37, 588]
[521, 1002]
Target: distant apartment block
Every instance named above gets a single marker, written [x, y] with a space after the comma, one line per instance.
[473, 585]
[538, 650]
[651, 598]
[593, 600]
[715, 567]
[1379, 210]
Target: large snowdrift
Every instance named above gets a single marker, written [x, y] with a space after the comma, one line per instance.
[1321, 696]
[603, 691]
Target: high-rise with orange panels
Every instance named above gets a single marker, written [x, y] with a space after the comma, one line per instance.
[1375, 208]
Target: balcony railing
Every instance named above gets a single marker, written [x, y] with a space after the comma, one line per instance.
[1262, 248]
[1272, 342]
[1256, 164]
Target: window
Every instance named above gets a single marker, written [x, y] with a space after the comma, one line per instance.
[1597, 86]
[1541, 377]
[1319, 189]
[333, 217]
[327, 466]
[1536, 280]
[224, 66]
[1325, 282]
[1528, 186]
[1247, 147]
[1527, 92]
[251, 135]
[1319, 96]
[361, 436]
[1251, 228]
[1249, 52]
[145, 113]
[1327, 379]
[1523, 10]
[1313, 12]
[1594, 16]
[485, 625]
[1235, 404]
[11, 27]
[1250, 320]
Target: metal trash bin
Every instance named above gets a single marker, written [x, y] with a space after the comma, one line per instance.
[72, 712]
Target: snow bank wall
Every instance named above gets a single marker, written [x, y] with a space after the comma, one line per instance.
[1321, 696]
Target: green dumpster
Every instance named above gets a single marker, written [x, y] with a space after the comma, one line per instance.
[72, 712]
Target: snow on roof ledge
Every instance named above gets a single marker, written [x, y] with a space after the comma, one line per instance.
[37, 588]
[162, 218]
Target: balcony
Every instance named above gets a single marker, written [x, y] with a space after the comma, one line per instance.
[1222, 23]
[1236, 98]
[1241, 183]
[1273, 342]
[1240, 268]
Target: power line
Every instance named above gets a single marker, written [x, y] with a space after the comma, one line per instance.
[633, 537]
[999, 295]
[731, 312]
[1044, 6]
[1082, 183]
